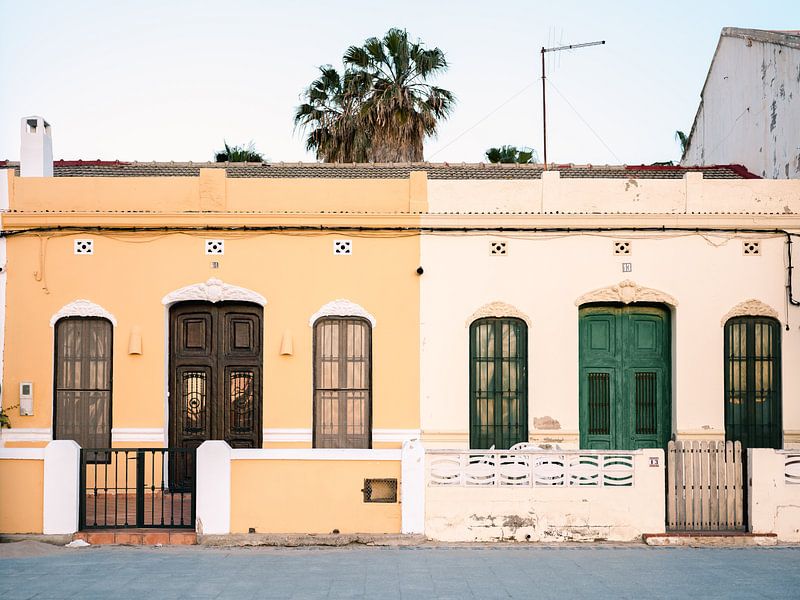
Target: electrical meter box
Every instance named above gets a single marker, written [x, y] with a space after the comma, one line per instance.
[25, 398]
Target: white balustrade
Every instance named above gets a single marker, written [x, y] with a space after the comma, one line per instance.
[791, 469]
[527, 468]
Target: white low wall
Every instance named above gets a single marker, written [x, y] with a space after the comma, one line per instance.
[531, 509]
[774, 493]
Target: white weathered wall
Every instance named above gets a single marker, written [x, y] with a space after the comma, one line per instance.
[541, 514]
[543, 274]
[750, 109]
[774, 504]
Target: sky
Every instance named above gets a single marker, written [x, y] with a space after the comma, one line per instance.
[172, 80]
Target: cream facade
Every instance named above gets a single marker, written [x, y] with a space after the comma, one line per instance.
[560, 252]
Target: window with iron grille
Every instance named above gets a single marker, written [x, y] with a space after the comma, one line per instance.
[342, 383]
[752, 382]
[380, 490]
[82, 394]
[498, 382]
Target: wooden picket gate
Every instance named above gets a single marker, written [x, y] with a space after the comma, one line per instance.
[705, 486]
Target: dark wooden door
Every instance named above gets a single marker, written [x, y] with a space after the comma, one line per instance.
[215, 374]
[625, 398]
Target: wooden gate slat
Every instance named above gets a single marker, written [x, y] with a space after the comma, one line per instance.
[737, 453]
[730, 486]
[713, 482]
[671, 487]
[705, 522]
[688, 474]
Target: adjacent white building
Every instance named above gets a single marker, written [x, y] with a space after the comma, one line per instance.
[749, 111]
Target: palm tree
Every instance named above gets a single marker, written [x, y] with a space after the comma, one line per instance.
[238, 154]
[382, 107]
[683, 140]
[332, 115]
[512, 154]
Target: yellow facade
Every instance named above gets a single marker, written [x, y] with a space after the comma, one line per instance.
[307, 496]
[21, 496]
[130, 272]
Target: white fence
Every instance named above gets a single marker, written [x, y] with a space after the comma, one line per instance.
[530, 468]
[791, 469]
[543, 495]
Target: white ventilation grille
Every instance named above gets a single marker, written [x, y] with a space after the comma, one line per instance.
[498, 248]
[622, 248]
[83, 247]
[751, 248]
[342, 246]
[215, 247]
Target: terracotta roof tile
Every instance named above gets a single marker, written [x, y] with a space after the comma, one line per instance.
[436, 171]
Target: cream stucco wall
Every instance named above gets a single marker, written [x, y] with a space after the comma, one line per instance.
[774, 503]
[543, 274]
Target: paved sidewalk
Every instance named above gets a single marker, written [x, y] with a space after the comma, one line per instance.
[596, 572]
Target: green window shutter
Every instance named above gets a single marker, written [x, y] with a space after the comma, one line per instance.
[498, 386]
[753, 382]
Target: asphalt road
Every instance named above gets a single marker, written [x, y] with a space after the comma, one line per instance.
[596, 572]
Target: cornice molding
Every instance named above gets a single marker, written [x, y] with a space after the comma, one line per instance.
[82, 308]
[626, 292]
[498, 309]
[214, 290]
[342, 308]
[750, 308]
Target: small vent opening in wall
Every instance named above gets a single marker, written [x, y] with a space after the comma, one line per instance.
[622, 247]
[751, 248]
[342, 246]
[497, 248]
[83, 247]
[380, 490]
[215, 246]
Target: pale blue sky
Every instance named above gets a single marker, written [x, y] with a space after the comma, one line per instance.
[169, 80]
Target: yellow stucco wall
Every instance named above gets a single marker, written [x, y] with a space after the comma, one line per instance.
[21, 496]
[304, 496]
[130, 273]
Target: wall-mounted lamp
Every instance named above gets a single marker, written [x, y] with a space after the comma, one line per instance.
[135, 340]
[287, 348]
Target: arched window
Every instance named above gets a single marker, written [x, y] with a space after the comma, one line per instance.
[753, 382]
[342, 382]
[498, 382]
[82, 386]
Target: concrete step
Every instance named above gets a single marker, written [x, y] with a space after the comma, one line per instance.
[138, 537]
[710, 538]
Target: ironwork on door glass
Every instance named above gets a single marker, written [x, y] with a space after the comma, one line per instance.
[599, 404]
[83, 349]
[194, 398]
[342, 383]
[752, 382]
[241, 403]
[646, 398]
[498, 382]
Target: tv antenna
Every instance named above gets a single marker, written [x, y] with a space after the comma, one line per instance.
[544, 102]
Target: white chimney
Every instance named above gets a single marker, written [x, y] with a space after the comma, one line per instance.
[36, 149]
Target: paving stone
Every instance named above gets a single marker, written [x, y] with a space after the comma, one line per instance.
[489, 572]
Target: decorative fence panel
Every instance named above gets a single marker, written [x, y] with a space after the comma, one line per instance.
[705, 486]
[791, 469]
[530, 468]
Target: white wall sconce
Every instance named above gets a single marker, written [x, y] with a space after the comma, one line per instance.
[135, 340]
[287, 347]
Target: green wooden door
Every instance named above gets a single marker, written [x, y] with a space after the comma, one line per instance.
[625, 397]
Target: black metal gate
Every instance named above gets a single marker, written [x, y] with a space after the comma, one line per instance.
[137, 487]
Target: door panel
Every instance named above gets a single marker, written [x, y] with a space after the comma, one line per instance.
[215, 366]
[624, 400]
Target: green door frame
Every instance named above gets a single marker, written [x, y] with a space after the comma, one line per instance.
[625, 389]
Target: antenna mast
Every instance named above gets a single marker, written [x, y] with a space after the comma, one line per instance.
[544, 102]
